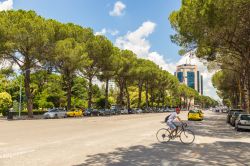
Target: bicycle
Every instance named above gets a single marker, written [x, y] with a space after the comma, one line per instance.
[186, 135]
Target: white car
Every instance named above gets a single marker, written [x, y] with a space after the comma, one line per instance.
[55, 113]
[124, 111]
[138, 111]
[242, 122]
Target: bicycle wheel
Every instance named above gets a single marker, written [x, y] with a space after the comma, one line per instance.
[162, 135]
[187, 136]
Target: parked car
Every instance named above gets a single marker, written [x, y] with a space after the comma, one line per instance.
[131, 111]
[124, 111]
[242, 122]
[115, 111]
[230, 113]
[171, 110]
[55, 113]
[234, 117]
[225, 110]
[138, 111]
[108, 112]
[146, 110]
[95, 112]
[88, 112]
[195, 115]
[74, 112]
[104, 112]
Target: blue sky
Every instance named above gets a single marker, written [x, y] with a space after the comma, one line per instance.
[95, 14]
[139, 25]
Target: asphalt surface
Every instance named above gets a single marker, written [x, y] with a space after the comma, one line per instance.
[119, 140]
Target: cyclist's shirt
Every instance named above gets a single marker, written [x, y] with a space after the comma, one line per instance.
[172, 117]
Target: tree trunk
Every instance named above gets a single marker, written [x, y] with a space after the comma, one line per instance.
[69, 85]
[139, 94]
[128, 97]
[163, 99]
[158, 100]
[180, 102]
[120, 98]
[146, 87]
[189, 103]
[185, 102]
[106, 93]
[151, 97]
[247, 95]
[90, 93]
[28, 92]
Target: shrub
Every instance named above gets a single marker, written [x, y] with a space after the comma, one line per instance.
[5, 102]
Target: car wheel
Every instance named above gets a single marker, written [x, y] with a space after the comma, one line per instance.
[56, 117]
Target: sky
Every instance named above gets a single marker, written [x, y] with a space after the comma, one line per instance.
[138, 25]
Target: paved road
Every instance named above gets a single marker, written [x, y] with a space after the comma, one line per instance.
[119, 140]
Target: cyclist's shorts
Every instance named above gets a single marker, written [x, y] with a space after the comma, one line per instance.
[171, 125]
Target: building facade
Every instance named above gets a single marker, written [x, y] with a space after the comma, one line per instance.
[188, 74]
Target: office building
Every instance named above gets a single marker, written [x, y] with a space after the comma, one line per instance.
[189, 75]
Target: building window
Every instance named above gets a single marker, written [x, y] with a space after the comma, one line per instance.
[180, 76]
[190, 79]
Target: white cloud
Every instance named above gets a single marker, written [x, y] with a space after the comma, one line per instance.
[118, 9]
[105, 31]
[137, 42]
[6, 5]
[113, 32]
[102, 32]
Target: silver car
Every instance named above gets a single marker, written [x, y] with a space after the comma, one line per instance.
[242, 122]
[124, 111]
[55, 113]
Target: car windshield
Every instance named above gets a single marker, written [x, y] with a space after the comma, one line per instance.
[53, 110]
[193, 111]
[237, 113]
[245, 117]
[232, 111]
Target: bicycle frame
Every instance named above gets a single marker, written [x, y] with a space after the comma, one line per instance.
[180, 129]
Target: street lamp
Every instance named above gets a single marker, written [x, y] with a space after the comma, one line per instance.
[20, 95]
[20, 100]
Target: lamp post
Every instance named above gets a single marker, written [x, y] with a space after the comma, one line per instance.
[20, 95]
[20, 100]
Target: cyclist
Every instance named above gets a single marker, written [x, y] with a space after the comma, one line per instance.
[172, 123]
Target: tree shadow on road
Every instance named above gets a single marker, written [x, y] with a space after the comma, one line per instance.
[174, 153]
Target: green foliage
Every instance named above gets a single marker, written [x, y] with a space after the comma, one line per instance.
[100, 102]
[218, 31]
[5, 102]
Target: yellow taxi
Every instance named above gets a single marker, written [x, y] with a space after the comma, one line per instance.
[195, 115]
[74, 112]
[201, 114]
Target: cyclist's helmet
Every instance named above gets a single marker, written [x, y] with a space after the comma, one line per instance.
[177, 109]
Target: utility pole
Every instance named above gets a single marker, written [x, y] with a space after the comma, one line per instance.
[20, 100]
